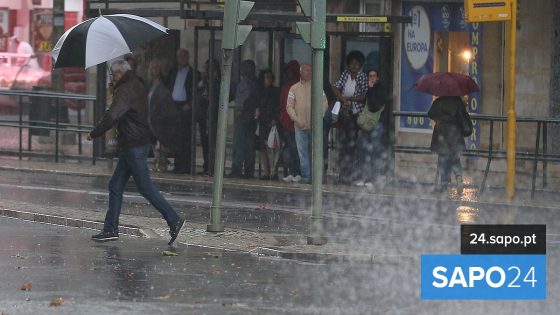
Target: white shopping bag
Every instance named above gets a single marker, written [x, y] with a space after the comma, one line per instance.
[273, 140]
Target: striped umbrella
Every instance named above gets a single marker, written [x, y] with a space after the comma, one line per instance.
[103, 38]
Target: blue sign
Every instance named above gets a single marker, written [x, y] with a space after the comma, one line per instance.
[483, 277]
[417, 56]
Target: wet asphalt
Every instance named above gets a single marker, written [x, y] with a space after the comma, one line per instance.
[402, 223]
[46, 269]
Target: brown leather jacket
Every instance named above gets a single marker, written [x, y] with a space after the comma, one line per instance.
[129, 111]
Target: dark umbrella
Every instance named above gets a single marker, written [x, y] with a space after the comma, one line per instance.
[103, 38]
[446, 84]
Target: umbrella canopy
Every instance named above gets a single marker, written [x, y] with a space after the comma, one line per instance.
[103, 38]
[446, 84]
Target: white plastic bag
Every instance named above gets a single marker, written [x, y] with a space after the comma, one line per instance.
[273, 140]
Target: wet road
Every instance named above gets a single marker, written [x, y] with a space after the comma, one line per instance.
[132, 276]
[401, 224]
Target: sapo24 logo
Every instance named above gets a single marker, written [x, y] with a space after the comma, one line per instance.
[483, 277]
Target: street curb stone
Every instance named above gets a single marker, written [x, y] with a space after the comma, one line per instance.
[70, 222]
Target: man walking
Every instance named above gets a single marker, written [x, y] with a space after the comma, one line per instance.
[299, 109]
[129, 112]
[180, 83]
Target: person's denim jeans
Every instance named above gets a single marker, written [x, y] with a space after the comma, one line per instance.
[133, 162]
[303, 142]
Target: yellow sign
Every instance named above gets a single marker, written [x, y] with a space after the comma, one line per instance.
[362, 19]
[488, 10]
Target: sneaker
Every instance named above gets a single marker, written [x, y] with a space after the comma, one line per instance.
[175, 230]
[296, 179]
[359, 183]
[288, 178]
[105, 236]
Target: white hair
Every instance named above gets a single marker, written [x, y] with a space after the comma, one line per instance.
[120, 66]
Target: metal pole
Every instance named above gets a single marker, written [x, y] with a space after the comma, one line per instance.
[318, 42]
[194, 102]
[511, 121]
[211, 100]
[233, 35]
[57, 131]
[20, 153]
[216, 224]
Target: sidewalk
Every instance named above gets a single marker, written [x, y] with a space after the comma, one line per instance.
[412, 184]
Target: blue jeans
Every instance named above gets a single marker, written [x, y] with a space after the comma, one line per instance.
[303, 141]
[134, 162]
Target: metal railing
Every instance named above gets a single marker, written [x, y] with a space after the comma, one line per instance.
[537, 154]
[25, 97]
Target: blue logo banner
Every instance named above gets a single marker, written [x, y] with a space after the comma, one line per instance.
[483, 277]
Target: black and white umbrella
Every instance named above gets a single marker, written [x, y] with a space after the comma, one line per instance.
[103, 38]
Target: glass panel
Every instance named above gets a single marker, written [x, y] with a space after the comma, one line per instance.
[256, 49]
[369, 47]
[296, 49]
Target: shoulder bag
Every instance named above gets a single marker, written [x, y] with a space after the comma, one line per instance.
[368, 120]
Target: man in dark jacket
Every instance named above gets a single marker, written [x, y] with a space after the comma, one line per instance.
[180, 83]
[129, 112]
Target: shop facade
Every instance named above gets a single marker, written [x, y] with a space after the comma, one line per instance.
[438, 40]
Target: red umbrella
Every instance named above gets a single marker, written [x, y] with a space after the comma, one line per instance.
[446, 84]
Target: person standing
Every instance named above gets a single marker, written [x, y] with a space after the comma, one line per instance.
[164, 117]
[350, 89]
[447, 139]
[290, 156]
[180, 83]
[243, 161]
[268, 108]
[129, 112]
[210, 99]
[370, 144]
[299, 109]
[24, 48]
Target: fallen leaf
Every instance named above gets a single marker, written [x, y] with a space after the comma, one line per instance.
[25, 287]
[56, 302]
[169, 253]
[165, 297]
[129, 275]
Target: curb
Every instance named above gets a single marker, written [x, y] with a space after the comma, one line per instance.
[326, 258]
[70, 222]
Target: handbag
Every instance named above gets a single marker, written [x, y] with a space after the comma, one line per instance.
[368, 120]
[465, 123]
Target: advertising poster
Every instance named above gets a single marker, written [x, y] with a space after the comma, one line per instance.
[417, 57]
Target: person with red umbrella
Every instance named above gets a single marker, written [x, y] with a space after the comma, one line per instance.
[452, 123]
